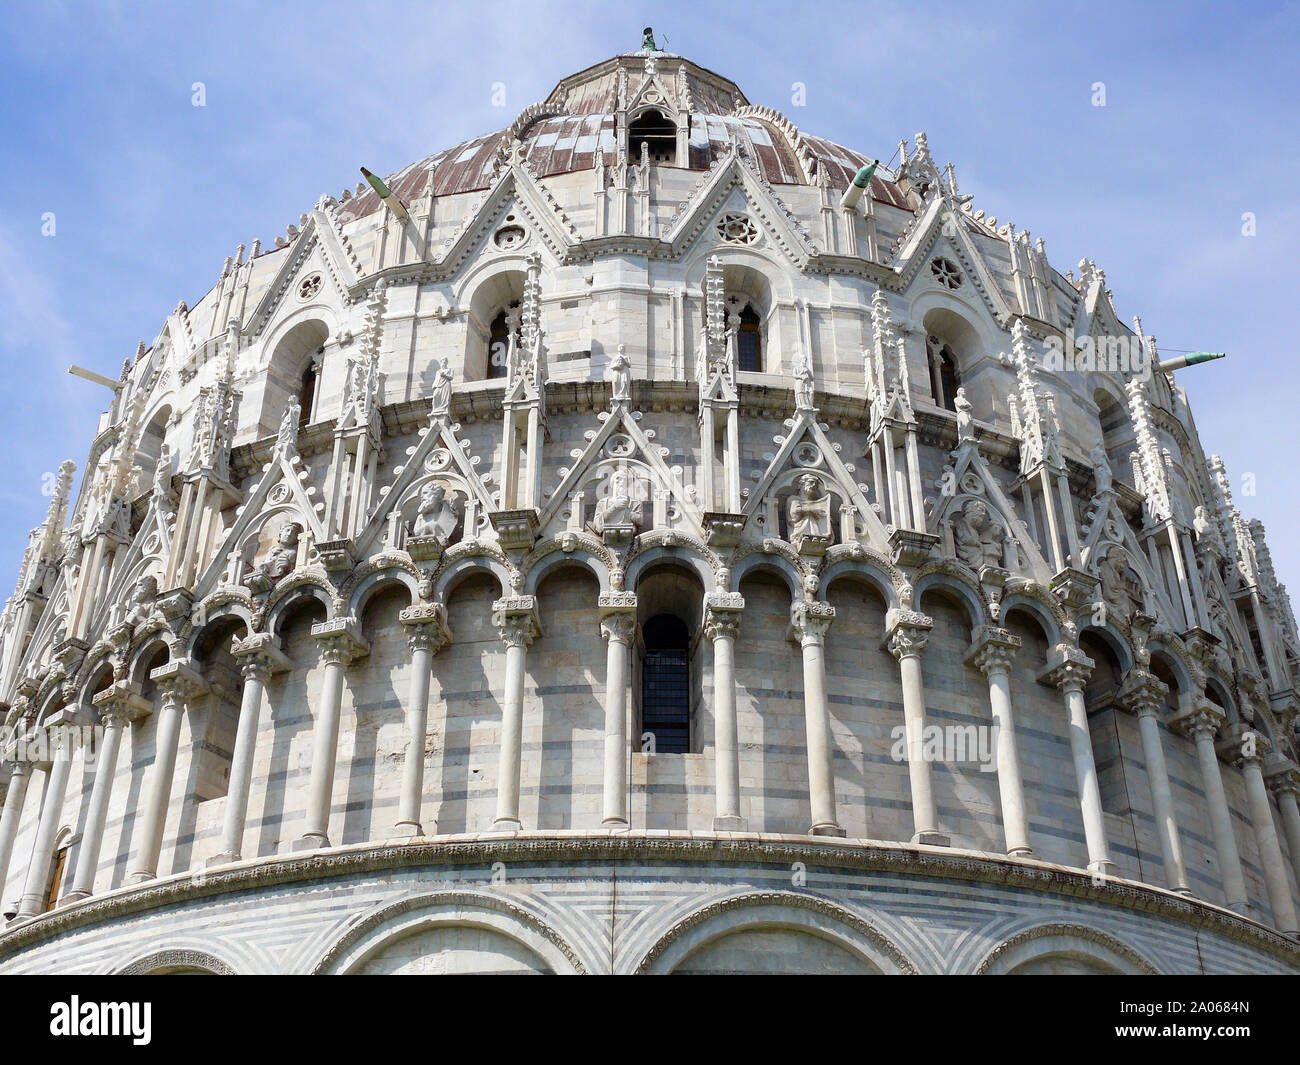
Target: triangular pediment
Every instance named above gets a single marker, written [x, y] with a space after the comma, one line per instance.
[317, 247]
[941, 231]
[806, 449]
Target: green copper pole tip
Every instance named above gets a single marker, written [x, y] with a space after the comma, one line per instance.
[863, 177]
[376, 183]
[1204, 356]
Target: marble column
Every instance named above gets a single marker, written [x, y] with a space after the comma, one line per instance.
[36, 884]
[258, 657]
[618, 626]
[178, 685]
[1270, 850]
[516, 619]
[1142, 694]
[341, 644]
[906, 636]
[809, 622]
[119, 705]
[722, 611]
[12, 814]
[1201, 724]
[992, 652]
[1283, 780]
[426, 634]
[1069, 674]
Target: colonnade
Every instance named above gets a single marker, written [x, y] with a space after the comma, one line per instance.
[992, 651]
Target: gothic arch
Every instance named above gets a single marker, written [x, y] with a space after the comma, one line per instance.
[473, 909]
[807, 914]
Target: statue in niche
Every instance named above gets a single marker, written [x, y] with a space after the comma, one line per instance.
[1101, 468]
[436, 516]
[620, 377]
[803, 384]
[1120, 588]
[284, 555]
[1207, 532]
[618, 510]
[977, 538]
[808, 511]
[442, 390]
[287, 438]
[965, 418]
[142, 602]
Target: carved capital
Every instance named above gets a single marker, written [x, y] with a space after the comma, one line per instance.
[1068, 669]
[993, 650]
[620, 628]
[907, 632]
[1202, 719]
[1142, 693]
[121, 702]
[1282, 777]
[340, 640]
[810, 621]
[515, 616]
[179, 682]
[259, 656]
[722, 612]
[426, 627]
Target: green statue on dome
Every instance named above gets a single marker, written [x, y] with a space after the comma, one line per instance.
[648, 40]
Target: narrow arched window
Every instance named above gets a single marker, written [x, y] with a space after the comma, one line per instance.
[57, 869]
[666, 684]
[658, 134]
[498, 346]
[307, 391]
[749, 343]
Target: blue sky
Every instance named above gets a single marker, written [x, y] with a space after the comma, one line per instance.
[150, 193]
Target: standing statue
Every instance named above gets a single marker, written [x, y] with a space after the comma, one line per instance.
[620, 377]
[436, 516]
[648, 40]
[1101, 468]
[1207, 532]
[808, 512]
[977, 538]
[284, 556]
[965, 418]
[1120, 588]
[803, 385]
[442, 390]
[287, 438]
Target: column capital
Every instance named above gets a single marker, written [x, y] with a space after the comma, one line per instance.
[1241, 745]
[1202, 718]
[340, 640]
[1282, 776]
[178, 680]
[619, 627]
[1142, 693]
[120, 702]
[992, 650]
[259, 655]
[426, 626]
[1067, 668]
[516, 618]
[809, 621]
[906, 632]
[722, 612]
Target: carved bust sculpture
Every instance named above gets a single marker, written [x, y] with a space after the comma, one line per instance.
[977, 538]
[620, 377]
[142, 601]
[618, 508]
[809, 509]
[1120, 588]
[436, 516]
[284, 555]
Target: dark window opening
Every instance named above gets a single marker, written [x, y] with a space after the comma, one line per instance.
[749, 344]
[944, 379]
[659, 135]
[498, 346]
[307, 392]
[666, 684]
[56, 879]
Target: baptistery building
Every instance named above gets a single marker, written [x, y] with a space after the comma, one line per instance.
[649, 538]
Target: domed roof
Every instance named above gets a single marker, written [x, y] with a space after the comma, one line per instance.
[578, 121]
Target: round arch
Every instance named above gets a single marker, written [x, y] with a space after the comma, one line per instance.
[1076, 942]
[955, 589]
[464, 568]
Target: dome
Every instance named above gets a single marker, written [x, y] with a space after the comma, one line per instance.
[649, 539]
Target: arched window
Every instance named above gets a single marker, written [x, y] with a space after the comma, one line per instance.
[57, 868]
[749, 342]
[944, 379]
[659, 136]
[498, 346]
[307, 390]
[666, 684]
